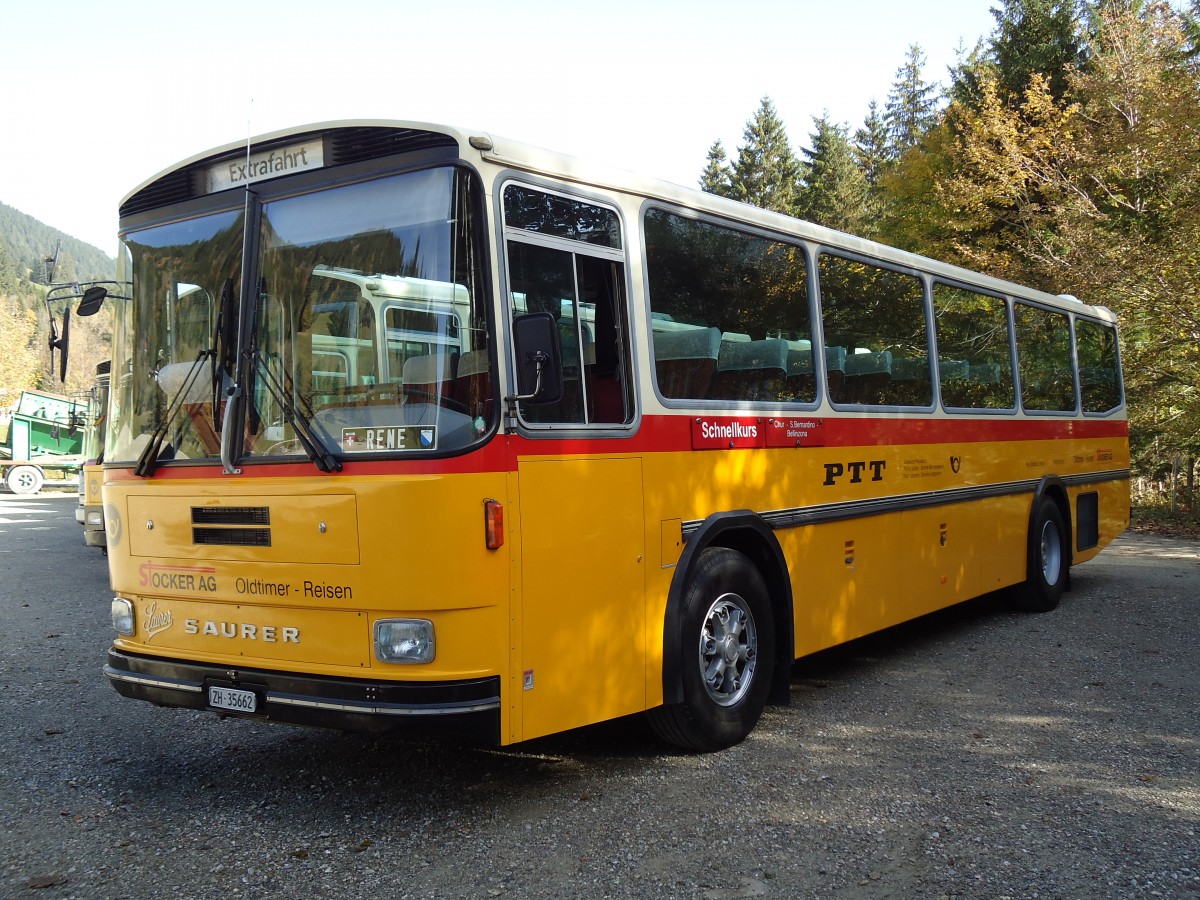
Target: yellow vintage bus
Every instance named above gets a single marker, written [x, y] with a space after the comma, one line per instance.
[91, 504]
[418, 427]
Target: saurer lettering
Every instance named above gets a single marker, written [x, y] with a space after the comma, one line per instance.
[246, 631]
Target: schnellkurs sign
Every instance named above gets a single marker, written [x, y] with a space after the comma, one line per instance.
[741, 432]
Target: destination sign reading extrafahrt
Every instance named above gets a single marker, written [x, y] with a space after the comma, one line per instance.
[268, 164]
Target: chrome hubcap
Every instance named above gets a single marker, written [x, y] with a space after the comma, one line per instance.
[728, 649]
[1051, 553]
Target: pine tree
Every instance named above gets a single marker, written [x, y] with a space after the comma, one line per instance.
[1035, 37]
[835, 192]
[912, 105]
[872, 147]
[767, 172]
[8, 270]
[1191, 30]
[967, 75]
[1032, 37]
[715, 179]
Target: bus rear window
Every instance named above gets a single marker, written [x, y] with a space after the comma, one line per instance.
[1099, 374]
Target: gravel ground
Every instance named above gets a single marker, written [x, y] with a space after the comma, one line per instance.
[975, 753]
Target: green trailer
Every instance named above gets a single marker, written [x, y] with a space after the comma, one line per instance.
[44, 446]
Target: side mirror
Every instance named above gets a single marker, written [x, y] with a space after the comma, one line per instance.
[93, 299]
[539, 359]
[61, 343]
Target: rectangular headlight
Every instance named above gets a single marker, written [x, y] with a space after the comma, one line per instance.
[404, 640]
[95, 517]
[122, 616]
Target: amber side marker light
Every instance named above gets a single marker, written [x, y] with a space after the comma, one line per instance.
[493, 524]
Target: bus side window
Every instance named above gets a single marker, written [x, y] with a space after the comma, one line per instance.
[878, 316]
[974, 354]
[730, 312]
[1044, 359]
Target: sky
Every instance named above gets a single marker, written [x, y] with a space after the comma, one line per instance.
[98, 97]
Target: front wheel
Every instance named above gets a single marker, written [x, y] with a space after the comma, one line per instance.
[727, 654]
[24, 479]
[1047, 561]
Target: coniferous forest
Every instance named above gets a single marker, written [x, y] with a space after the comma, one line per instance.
[1062, 151]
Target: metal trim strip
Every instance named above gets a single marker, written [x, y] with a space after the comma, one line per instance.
[389, 709]
[172, 684]
[796, 517]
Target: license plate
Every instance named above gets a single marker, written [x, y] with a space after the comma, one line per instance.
[232, 699]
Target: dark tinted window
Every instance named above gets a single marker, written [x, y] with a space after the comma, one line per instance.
[974, 356]
[1044, 359]
[876, 338]
[1099, 375]
[730, 313]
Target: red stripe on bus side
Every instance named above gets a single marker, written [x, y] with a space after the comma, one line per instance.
[673, 434]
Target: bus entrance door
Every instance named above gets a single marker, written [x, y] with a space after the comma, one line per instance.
[582, 645]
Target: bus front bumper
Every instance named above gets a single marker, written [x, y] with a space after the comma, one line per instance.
[470, 708]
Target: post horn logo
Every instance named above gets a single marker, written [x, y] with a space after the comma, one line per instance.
[955, 463]
[112, 524]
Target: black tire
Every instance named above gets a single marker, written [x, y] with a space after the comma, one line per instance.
[1048, 559]
[727, 652]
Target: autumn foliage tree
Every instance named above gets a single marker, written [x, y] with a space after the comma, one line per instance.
[1067, 158]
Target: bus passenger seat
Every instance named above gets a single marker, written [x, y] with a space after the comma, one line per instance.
[606, 401]
[953, 369]
[751, 370]
[473, 383]
[835, 372]
[801, 380]
[985, 373]
[867, 376]
[196, 403]
[912, 384]
[429, 379]
[685, 361]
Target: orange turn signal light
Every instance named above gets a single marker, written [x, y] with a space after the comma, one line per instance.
[493, 524]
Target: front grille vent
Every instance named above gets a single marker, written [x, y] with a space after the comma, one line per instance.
[231, 515]
[229, 526]
[173, 188]
[232, 537]
[348, 145]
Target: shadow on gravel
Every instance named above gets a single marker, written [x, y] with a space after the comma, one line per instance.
[906, 639]
[301, 767]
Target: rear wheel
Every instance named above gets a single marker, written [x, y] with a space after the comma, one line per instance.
[1047, 561]
[727, 653]
[24, 479]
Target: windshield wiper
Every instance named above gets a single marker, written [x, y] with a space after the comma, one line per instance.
[313, 448]
[222, 347]
[148, 461]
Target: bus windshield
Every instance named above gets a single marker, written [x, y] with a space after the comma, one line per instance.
[366, 331]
